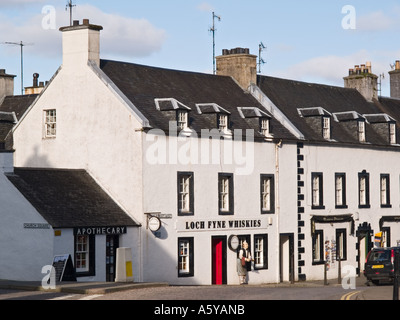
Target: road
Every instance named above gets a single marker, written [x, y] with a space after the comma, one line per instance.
[218, 293]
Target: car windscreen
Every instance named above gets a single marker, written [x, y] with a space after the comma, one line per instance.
[379, 256]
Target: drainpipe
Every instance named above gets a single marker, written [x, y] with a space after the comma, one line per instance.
[278, 145]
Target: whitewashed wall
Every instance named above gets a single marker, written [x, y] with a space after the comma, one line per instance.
[352, 161]
[23, 251]
[160, 195]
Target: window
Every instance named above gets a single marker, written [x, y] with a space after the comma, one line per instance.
[185, 257]
[341, 244]
[82, 253]
[385, 191]
[260, 252]
[85, 255]
[185, 193]
[225, 191]
[265, 128]
[318, 247]
[317, 191]
[340, 190]
[392, 133]
[326, 127]
[361, 131]
[363, 190]
[50, 123]
[223, 122]
[267, 194]
[182, 117]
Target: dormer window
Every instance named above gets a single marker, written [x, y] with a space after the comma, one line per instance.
[223, 122]
[361, 131]
[392, 133]
[259, 120]
[182, 119]
[326, 127]
[318, 119]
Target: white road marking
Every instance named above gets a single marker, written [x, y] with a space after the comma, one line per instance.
[64, 297]
[94, 296]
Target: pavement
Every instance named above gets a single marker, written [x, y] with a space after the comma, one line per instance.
[78, 287]
[361, 291]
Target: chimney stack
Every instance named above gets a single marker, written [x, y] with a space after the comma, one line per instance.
[240, 65]
[81, 43]
[6, 84]
[37, 87]
[395, 81]
[362, 79]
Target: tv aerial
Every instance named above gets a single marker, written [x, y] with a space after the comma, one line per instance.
[22, 45]
[213, 30]
[261, 61]
[70, 6]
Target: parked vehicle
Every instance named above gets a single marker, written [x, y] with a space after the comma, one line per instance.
[379, 265]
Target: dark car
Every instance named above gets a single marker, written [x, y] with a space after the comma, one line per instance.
[379, 265]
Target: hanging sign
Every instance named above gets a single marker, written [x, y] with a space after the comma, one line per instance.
[154, 224]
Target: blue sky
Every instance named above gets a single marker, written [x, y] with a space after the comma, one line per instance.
[305, 40]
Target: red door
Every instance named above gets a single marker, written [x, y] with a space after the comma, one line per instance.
[218, 261]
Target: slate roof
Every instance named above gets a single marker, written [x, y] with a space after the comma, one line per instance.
[17, 104]
[69, 198]
[11, 109]
[143, 84]
[290, 96]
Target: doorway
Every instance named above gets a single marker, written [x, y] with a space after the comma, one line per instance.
[364, 245]
[286, 257]
[218, 249]
[112, 244]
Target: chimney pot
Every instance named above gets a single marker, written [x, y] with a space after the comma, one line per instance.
[85, 22]
[2, 71]
[397, 64]
[35, 79]
[76, 23]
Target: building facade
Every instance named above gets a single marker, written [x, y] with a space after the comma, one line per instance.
[305, 174]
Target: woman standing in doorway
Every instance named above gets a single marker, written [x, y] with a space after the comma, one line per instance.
[243, 258]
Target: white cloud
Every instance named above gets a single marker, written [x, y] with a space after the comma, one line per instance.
[15, 3]
[205, 6]
[375, 21]
[124, 36]
[328, 69]
[121, 36]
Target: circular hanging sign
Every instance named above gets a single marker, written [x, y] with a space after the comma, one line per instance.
[233, 242]
[154, 224]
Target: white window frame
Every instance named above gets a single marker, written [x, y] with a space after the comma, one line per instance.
[339, 190]
[361, 131]
[223, 122]
[266, 194]
[265, 127]
[392, 133]
[182, 120]
[50, 123]
[184, 193]
[82, 253]
[326, 127]
[385, 190]
[363, 191]
[318, 247]
[224, 204]
[259, 252]
[184, 257]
